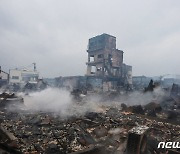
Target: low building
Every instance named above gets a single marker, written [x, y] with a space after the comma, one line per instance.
[23, 76]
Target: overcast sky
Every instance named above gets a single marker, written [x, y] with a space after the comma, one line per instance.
[55, 33]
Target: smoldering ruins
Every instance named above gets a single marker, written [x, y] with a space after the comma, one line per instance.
[105, 111]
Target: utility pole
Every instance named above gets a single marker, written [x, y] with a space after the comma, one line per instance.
[34, 66]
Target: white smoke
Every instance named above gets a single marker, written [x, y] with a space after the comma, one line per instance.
[58, 101]
[141, 98]
[50, 99]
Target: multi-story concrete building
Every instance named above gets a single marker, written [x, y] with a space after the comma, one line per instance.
[106, 62]
[105, 68]
[103, 57]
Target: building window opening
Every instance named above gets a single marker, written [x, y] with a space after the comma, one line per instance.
[91, 58]
[93, 69]
[100, 56]
[15, 77]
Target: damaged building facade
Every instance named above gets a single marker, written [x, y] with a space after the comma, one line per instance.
[105, 68]
[91, 123]
[106, 62]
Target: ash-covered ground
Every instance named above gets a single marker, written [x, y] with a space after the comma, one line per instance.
[55, 121]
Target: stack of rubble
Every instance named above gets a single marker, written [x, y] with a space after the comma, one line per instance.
[106, 132]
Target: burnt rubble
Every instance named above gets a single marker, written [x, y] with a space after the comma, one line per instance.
[113, 129]
[10, 99]
[105, 132]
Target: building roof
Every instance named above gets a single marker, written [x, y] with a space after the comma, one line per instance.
[104, 34]
[5, 72]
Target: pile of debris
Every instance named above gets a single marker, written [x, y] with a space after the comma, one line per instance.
[105, 132]
[112, 129]
[10, 99]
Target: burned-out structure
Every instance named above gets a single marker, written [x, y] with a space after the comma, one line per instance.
[106, 131]
[90, 122]
[105, 68]
[106, 62]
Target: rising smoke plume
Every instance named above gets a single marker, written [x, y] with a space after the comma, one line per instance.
[61, 101]
[58, 101]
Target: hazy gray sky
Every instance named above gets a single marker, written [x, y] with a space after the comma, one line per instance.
[55, 33]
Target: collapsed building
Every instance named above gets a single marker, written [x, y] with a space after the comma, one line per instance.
[107, 130]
